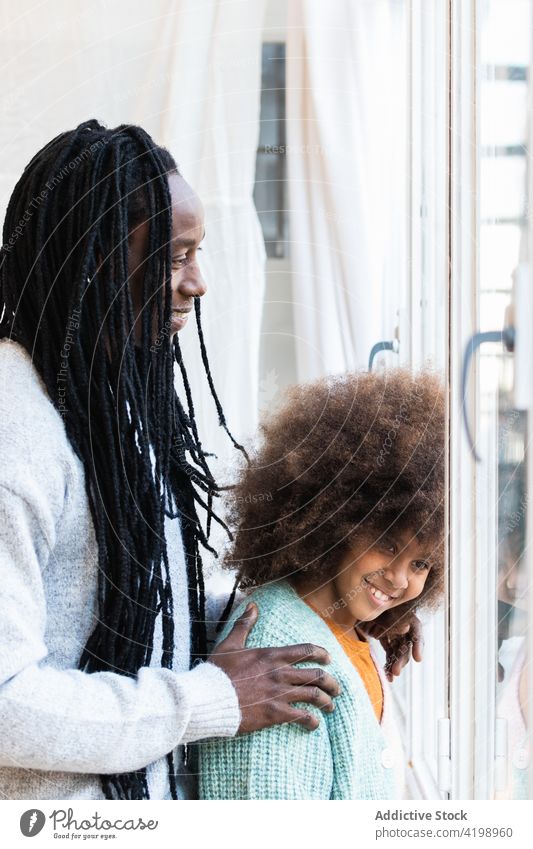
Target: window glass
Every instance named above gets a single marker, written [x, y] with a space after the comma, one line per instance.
[505, 36]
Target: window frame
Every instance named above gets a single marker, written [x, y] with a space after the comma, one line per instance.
[424, 340]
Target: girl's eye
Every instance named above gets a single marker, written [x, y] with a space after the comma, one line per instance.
[388, 546]
[420, 565]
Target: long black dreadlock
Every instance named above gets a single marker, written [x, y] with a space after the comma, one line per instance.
[64, 276]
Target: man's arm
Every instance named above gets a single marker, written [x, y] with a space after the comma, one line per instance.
[69, 720]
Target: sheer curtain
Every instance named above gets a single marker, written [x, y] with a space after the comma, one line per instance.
[347, 176]
[189, 72]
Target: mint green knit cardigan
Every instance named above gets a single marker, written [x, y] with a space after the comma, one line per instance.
[349, 756]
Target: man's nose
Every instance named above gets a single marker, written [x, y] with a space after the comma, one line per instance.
[190, 282]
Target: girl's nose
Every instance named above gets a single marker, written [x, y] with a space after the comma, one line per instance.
[396, 574]
[510, 579]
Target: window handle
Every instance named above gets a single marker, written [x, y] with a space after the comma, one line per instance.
[507, 336]
[393, 345]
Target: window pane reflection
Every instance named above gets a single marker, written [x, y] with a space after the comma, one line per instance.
[504, 49]
[512, 602]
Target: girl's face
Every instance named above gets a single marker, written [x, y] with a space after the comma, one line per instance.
[374, 577]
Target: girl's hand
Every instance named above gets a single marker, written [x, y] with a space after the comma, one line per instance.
[401, 637]
[267, 683]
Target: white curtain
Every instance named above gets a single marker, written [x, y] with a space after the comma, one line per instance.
[346, 154]
[189, 72]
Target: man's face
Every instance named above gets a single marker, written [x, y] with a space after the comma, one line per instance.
[374, 577]
[187, 233]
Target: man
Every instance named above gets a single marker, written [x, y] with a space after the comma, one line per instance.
[102, 603]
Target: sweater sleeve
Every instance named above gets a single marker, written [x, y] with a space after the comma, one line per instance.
[281, 762]
[73, 721]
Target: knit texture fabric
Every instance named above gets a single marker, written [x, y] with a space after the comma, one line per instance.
[62, 727]
[360, 655]
[350, 756]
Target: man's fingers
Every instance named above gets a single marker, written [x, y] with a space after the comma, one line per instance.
[312, 695]
[307, 720]
[316, 677]
[302, 652]
[243, 625]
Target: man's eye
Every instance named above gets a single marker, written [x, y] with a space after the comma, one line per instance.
[420, 565]
[184, 259]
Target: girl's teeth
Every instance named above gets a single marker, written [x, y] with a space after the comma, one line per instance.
[379, 594]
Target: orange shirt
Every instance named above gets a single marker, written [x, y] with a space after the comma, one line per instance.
[358, 652]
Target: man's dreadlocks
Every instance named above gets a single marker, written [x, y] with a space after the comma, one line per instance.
[75, 204]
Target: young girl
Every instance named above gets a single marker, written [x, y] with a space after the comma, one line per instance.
[339, 518]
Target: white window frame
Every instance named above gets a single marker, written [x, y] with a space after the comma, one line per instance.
[424, 340]
[473, 487]
[464, 664]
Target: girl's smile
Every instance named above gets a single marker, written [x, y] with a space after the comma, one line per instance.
[373, 576]
[378, 596]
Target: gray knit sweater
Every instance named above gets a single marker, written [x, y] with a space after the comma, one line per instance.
[61, 727]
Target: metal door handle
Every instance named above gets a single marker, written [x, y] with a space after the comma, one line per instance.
[507, 336]
[382, 346]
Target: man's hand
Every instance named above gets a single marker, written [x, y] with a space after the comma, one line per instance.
[266, 681]
[401, 637]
